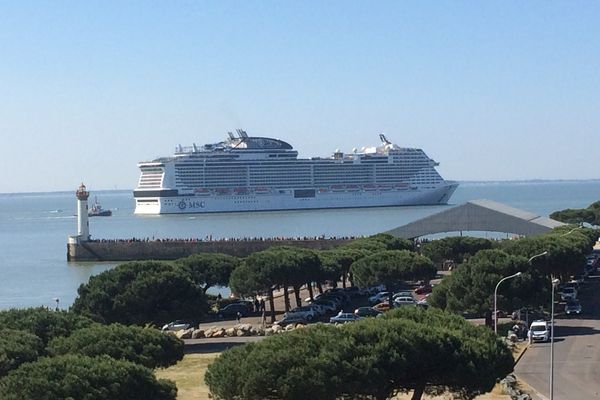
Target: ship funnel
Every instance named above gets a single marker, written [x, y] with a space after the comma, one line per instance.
[384, 139]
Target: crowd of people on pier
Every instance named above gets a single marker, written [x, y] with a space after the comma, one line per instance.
[209, 238]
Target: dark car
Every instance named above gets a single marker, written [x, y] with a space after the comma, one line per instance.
[232, 310]
[291, 318]
[366, 312]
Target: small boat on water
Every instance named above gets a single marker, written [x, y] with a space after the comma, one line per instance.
[98, 211]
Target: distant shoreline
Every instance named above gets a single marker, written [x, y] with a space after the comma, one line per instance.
[466, 182]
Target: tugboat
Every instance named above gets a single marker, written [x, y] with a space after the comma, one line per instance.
[97, 211]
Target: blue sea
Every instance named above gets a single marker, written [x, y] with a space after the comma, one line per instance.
[34, 227]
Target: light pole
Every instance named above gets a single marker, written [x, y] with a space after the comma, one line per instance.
[554, 283]
[496, 298]
[537, 255]
[56, 299]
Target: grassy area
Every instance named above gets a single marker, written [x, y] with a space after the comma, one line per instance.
[188, 374]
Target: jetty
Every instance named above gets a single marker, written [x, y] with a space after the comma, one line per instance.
[82, 247]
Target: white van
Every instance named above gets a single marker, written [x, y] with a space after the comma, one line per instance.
[539, 331]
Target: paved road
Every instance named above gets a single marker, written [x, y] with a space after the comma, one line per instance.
[576, 354]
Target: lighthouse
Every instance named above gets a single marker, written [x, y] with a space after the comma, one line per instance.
[83, 224]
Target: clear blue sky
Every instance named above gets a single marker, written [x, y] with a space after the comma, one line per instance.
[493, 90]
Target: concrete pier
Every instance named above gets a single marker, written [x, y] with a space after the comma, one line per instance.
[100, 250]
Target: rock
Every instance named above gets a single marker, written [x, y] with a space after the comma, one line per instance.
[290, 327]
[244, 327]
[300, 326]
[240, 332]
[230, 332]
[269, 331]
[198, 333]
[276, 328]
[184, 333]
[219, 333]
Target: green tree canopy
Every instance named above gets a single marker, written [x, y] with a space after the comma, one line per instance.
[456, 248]
[566, 251]
[81, 377]
[209, 269]
[392, 267]
[407, 350]
[380, 242]
[591, 215]
[17, 347]
[42, 322]
[140, 293]
[470, 288]
[148, 347]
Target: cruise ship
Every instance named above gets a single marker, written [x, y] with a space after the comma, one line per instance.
[246, 173]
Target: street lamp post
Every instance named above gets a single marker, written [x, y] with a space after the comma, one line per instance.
[496, 298]
[56, 299]
[554, 283]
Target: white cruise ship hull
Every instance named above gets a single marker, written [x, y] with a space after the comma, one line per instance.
[288, 199]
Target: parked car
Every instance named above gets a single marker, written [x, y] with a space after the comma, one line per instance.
[539, 331]
[328, 305]
[379, 297]
[572, 307]
[403, 293]
[404, 301]
[383, 306]
[176, 326]
[307, 313]
[291, 318]
[353, 291]
[568, 293]
[231, 310]
[343, 317]
[367, 312]
[424, 289]
[247, 303]
[319, 309]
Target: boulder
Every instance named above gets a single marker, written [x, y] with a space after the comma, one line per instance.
[184, 333]
[240, 332]
[219, 333]
[230, 332]
[276, 328]
[290, 327]
[269, 331]
[198, 333]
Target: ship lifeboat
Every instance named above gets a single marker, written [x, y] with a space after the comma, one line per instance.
[401, 186]
[222, 191]
[262, 190]
[385, 188]
[338, 188]
[370, 188]
[323, 190]
[353, 188]
[240, 191]
[202, 192]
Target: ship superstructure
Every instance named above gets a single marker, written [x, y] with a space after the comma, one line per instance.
[245, 173]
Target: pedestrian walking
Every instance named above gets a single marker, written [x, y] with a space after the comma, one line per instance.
[262, 305]
[238, 315]
[256, 305]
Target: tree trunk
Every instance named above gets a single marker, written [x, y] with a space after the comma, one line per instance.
[390, 297]
[310, 291]
[272, 305]
[418, 393]
[344, 280]
[351, 278]
[297, 294]
[320, 287]
[286, 298]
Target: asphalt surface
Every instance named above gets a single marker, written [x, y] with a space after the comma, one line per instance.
[576, 353]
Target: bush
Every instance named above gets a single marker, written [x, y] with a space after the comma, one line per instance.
[82, 377]
[16, 348]
[145, 346]
[139, 293]
[42, 322]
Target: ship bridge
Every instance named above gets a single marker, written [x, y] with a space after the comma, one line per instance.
[478, 216]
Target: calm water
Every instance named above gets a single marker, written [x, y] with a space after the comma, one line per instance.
[34, 229]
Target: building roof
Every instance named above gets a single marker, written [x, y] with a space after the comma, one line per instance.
[479, 215]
